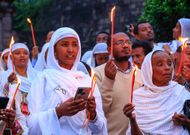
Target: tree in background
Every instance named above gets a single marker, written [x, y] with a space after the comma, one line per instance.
[163, 15]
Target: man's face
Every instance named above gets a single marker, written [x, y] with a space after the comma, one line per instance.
[121, 47]
[101, 38]
[145, 32]
[138, 56]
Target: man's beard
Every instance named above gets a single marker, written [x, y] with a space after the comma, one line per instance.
[122, 59]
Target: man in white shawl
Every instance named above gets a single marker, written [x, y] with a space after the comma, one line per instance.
[155, 103]
[3, 59]
[24, 71]
[51, 104]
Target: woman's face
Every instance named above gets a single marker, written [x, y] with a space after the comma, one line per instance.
[21, 57]
[66, 51]
[177, 31]
[101, 58]
[162, 67]
[5, 58]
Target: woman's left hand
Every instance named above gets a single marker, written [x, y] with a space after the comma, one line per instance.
[180, 119]
[91, 107]
[8, 115]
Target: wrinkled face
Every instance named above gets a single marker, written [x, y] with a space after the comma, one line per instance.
[20, 57]
[5, 58]
[66, 51]
[101, 58]
[162, 67]
[122, 47]
[138, 56]
[187, 53]
[177, 31]
[145, 32]
[101, 38]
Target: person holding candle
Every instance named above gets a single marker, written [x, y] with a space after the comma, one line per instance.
[23, 70]
[114, 79]
[52, 105]
[158, 105]
[3, 59]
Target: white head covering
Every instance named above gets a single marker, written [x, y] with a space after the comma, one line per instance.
[87, 57]
[31, 73]
[155, 106]
[41, 62]
[2, 64]
[98, 48]
[185, 27]
[58, 35]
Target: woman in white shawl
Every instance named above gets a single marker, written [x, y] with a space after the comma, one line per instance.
[155, 103]
[3, 59]
[41, 63]
[24, 71]
[51, 104]
[100, 54]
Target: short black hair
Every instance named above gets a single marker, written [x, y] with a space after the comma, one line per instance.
[102, 32]
[136, 27]
[144, 44]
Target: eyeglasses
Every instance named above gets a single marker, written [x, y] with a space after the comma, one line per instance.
[122, 42]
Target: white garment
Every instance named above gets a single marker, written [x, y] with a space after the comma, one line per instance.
[41, 62]
[155, 106]
[98, 49]
[81, 67]
[58, 84]
[86, 56]
[2, 64]
[24, 87]
[185, 27]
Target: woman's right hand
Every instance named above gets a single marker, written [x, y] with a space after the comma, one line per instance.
[70, 107]
[12, 77]
[128, 111]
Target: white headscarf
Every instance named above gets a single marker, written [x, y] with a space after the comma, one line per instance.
[31, 72]
[155, 106]
[98, 48]
[58, 35]
[41, 62]
[185, 27]
[87, 57]
[2, 64]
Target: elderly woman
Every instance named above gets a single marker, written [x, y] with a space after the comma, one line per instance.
[51, 104]
[24, 71]
[159, 103]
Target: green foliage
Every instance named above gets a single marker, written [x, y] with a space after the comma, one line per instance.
[163, 15]
[24, 9]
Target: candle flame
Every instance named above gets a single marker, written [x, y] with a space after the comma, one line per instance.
[112, 13]
[18, 81]
[93, 75]
[184, 41]
[29, 21]
[11, 43]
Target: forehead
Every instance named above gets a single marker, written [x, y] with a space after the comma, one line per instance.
[143, 25]
[20, 49]
[160, 56]
[68, 39]
[102, 35]
[120, 36]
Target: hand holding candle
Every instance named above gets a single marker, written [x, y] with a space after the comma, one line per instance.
[32, 30]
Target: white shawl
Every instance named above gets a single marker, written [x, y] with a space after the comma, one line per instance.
[41, 62]
[185, 27]
[58, 84]
[155, 106]
[98, 48]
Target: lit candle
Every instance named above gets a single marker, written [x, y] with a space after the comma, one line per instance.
[11, 105]
[11, 51]
[132, 84]
[112, 28]
[183, 48]
[32, 30]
